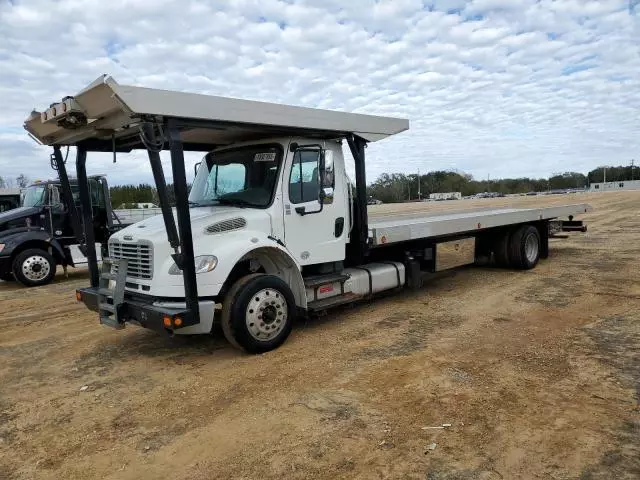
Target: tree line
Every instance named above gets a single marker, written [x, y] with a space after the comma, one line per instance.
[400, 187]
[20, 181]
[127, 196]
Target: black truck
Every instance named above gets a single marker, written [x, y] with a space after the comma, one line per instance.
[36, 237]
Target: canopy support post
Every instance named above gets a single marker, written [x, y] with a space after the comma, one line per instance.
[359, 243]
[87, 216]
[187, 262]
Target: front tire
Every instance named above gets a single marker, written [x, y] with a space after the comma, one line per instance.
[258, 313]
[34, 267]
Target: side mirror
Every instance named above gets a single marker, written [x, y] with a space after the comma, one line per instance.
[195, 169]
[54, 199]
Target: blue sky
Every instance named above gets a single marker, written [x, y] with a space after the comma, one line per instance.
[491, 87]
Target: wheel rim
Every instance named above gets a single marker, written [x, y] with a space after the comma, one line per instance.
[266, 314]
[35, 268]
[531, 248]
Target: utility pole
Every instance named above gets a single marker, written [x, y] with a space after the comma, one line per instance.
[632, 161]
[420, 193]
[604, 169]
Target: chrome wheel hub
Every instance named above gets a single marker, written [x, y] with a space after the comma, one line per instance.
[35, 268]
[531, 248]
[266, 314]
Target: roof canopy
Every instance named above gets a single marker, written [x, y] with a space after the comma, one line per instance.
[106, 115]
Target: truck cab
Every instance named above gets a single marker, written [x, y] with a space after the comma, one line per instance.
[36, 237]
[272, 195]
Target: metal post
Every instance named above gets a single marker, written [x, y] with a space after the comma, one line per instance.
[184, 220]
[87, 216]
[361, 224]
[161, 186]
[68, 195]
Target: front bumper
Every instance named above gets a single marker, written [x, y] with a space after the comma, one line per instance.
[141, 312]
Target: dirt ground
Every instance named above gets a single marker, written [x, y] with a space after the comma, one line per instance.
[537, 372]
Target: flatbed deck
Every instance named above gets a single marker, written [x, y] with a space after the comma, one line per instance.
[388, 229]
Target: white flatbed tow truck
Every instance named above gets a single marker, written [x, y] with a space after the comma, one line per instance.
[272, 226]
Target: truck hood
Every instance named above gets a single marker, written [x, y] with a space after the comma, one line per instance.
[201, 218]
[17, 213]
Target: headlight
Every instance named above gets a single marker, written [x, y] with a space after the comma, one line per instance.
[204, 264]
[1, 247]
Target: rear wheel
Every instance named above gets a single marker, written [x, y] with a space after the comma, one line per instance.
[34, 267]
[524, 247]
[258, 313]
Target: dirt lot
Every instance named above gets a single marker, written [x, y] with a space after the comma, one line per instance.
[537, 372]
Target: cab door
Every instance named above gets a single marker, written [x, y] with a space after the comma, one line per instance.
[315, 229]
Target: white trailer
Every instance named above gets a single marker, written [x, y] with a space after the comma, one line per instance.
[271, 227]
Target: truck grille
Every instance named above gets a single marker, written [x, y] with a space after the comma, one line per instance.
[139, 256]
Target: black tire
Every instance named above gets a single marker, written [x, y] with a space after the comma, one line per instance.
[501, 250]
[524, 247]
[34, 267]
[7, 277]
[269, 295]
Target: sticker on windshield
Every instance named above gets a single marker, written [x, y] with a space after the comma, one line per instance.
[265, 157]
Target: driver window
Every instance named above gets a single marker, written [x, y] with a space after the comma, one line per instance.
[303, 182]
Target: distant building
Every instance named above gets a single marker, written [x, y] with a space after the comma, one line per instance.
[445, 196]
[611, 186]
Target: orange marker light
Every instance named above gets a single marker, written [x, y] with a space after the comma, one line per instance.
[78, 296]
[166, 321]
[177, 322]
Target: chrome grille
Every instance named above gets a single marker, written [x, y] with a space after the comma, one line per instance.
[139, 256]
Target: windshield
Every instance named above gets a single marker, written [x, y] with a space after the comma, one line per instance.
[34, 196]
[243, 176]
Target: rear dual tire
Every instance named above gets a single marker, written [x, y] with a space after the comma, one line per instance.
[519, 248]
[258, 313]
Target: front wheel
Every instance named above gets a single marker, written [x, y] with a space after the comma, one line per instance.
[34, 267]
[258, 313]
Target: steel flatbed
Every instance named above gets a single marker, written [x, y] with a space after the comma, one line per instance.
[386, 229]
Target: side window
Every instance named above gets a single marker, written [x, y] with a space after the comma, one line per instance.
[304, 185]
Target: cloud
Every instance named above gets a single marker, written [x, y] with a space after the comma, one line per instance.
[491, 86]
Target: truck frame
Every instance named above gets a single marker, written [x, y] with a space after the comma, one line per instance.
[272, 226]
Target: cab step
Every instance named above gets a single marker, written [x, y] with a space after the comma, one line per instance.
[317, 280]
[326, 303]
